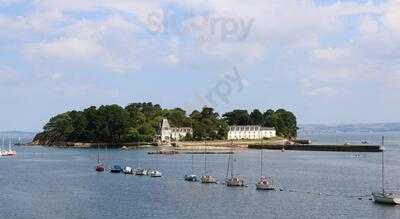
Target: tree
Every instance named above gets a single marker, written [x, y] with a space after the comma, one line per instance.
[208, 125]
[112, 123]
[285, 123]
[79, 123]
[256, 117]
[59, 128]
[267, 118]
[237, 117]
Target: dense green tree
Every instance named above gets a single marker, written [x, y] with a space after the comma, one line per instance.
[256, 117]
[208, 125]
[112, 123]
[267, 118]
[285, 123]
[80, 124]
[59, 128]
[237, 117]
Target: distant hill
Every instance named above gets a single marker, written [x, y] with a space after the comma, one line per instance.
[373, 127]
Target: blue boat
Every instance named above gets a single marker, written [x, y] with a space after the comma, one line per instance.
[116, 169]
[191, 178]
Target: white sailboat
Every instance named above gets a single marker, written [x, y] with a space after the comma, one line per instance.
[2, 151]
[191, 177]
[383, 197]
[207, 179]
[10, 152]
[232, 180]
[264, 183]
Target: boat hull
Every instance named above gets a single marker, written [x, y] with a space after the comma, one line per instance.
[208, 180]
[264, 184]
[191, 178]
[99, 168]
[387, 199]
[234, 182]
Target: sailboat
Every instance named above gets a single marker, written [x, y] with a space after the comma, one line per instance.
[383, 197]
[99, 165]
[207, 179]
[2, 151]
[191, 177]
[10, 152]
[264, 183]
[232, 180]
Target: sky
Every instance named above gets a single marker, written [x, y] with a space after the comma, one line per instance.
[328, 61]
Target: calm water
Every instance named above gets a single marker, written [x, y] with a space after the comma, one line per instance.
[61, 183]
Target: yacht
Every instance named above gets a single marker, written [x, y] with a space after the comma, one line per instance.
[383, 197]
[231, 180]
[264, 183]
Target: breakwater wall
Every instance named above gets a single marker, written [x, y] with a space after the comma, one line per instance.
[320, 147]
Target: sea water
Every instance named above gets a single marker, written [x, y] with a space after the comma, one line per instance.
[43, 182]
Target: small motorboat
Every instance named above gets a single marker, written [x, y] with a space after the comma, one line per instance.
[191, 178]
[100, 167]
[386, 198]
[155, 173]
[128, 170]
[234, 182]
[208, 179]
[141, 172]
[265, 183]
[116, 169]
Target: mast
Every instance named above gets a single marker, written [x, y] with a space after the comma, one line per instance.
[98, 154]
[205, 158]
[383, 165]
[261, 163]
[228, 166]
[231, 164]
[192, 162]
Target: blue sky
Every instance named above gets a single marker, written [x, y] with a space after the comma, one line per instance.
[328, 61]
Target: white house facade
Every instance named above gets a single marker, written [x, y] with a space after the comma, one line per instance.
[250, 132]
[168, 133]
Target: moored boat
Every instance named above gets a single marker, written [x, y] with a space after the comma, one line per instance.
[234, 182]
[116, 169]
[384, 197]
[206, 179]
[191, 178]
[155, 173]
[128, 170]
[100, 167]
[263, 183]
[141, 172]
[231, 180]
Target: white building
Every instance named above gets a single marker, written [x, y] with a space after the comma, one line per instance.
[168, 133]
[250, 132]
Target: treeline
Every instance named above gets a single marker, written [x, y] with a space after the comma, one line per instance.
[139, 122]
